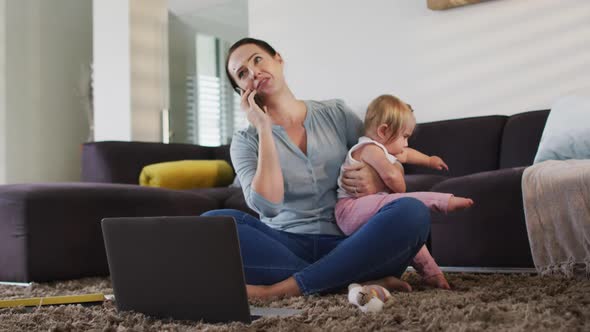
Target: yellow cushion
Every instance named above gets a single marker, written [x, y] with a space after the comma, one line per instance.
[187, 174]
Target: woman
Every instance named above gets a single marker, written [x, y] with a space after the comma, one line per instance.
[288, 163]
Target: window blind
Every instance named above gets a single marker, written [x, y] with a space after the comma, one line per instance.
[213, 108]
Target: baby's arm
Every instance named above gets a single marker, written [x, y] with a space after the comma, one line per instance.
[391, 174]
[416, 157]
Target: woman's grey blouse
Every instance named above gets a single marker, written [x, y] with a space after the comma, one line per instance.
[310, 180]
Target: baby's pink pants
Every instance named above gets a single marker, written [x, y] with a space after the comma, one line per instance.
[352, 213]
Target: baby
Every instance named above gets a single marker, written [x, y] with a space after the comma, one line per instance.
[389, 123]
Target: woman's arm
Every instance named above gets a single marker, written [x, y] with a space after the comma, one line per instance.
[257, 164]
[360, 179]
[268, 179]
[244, 155]
[391, 174]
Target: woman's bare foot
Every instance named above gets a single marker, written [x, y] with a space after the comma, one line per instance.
[459, 203]
[285, 288]
[257, 291]
[437, 281]
[391, 284]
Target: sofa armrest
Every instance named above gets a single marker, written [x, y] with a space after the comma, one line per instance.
[521, 137]
[422, 182]
[121, 162]
[492, 233]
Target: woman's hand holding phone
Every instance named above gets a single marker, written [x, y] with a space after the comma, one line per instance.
[256, 115]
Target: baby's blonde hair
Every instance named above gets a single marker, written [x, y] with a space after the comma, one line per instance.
[389, 110]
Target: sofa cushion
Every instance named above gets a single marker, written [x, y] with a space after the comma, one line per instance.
[492, 233]
[567, 131]
[187, 174]
[467, 145]
[227, 198]
[237, 201]
[219, 195]
[222, 153]
[52, 231]
[422, 182]
[121, 162]
[521, 137]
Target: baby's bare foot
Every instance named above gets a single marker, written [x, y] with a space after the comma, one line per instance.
[391, 283]
[437, 281]
[459, 203]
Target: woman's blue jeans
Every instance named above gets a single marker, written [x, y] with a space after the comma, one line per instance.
[384, 246]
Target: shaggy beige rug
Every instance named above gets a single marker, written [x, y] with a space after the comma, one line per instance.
[491, 302]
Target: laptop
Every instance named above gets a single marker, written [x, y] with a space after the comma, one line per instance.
[185, 268]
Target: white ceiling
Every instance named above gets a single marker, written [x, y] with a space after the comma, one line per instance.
[227, 12]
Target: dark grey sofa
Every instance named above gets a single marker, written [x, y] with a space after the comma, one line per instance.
[51, 231]
[486, 157]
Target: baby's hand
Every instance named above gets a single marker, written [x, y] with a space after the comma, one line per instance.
[402, 157]
[437, 163]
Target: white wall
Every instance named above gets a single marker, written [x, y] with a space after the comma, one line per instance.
[224, 19]
[181, 55]
[149, 68]
[112, 74]
[227, 32]
[46, 44]
[2, 92]
[130, 69]
[23, 35]
[496, 57]
[65, 52]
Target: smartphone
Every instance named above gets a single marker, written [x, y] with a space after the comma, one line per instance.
[257, 98]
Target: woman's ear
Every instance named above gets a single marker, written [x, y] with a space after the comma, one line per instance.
[278, 57]
[383, 131]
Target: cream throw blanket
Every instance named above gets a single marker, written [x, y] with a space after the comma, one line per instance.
[556, 196]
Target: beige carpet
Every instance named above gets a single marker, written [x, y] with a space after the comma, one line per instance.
[491, 302]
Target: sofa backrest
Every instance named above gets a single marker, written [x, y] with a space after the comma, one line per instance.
[122, 162]
[521, 137]
[467, 145]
